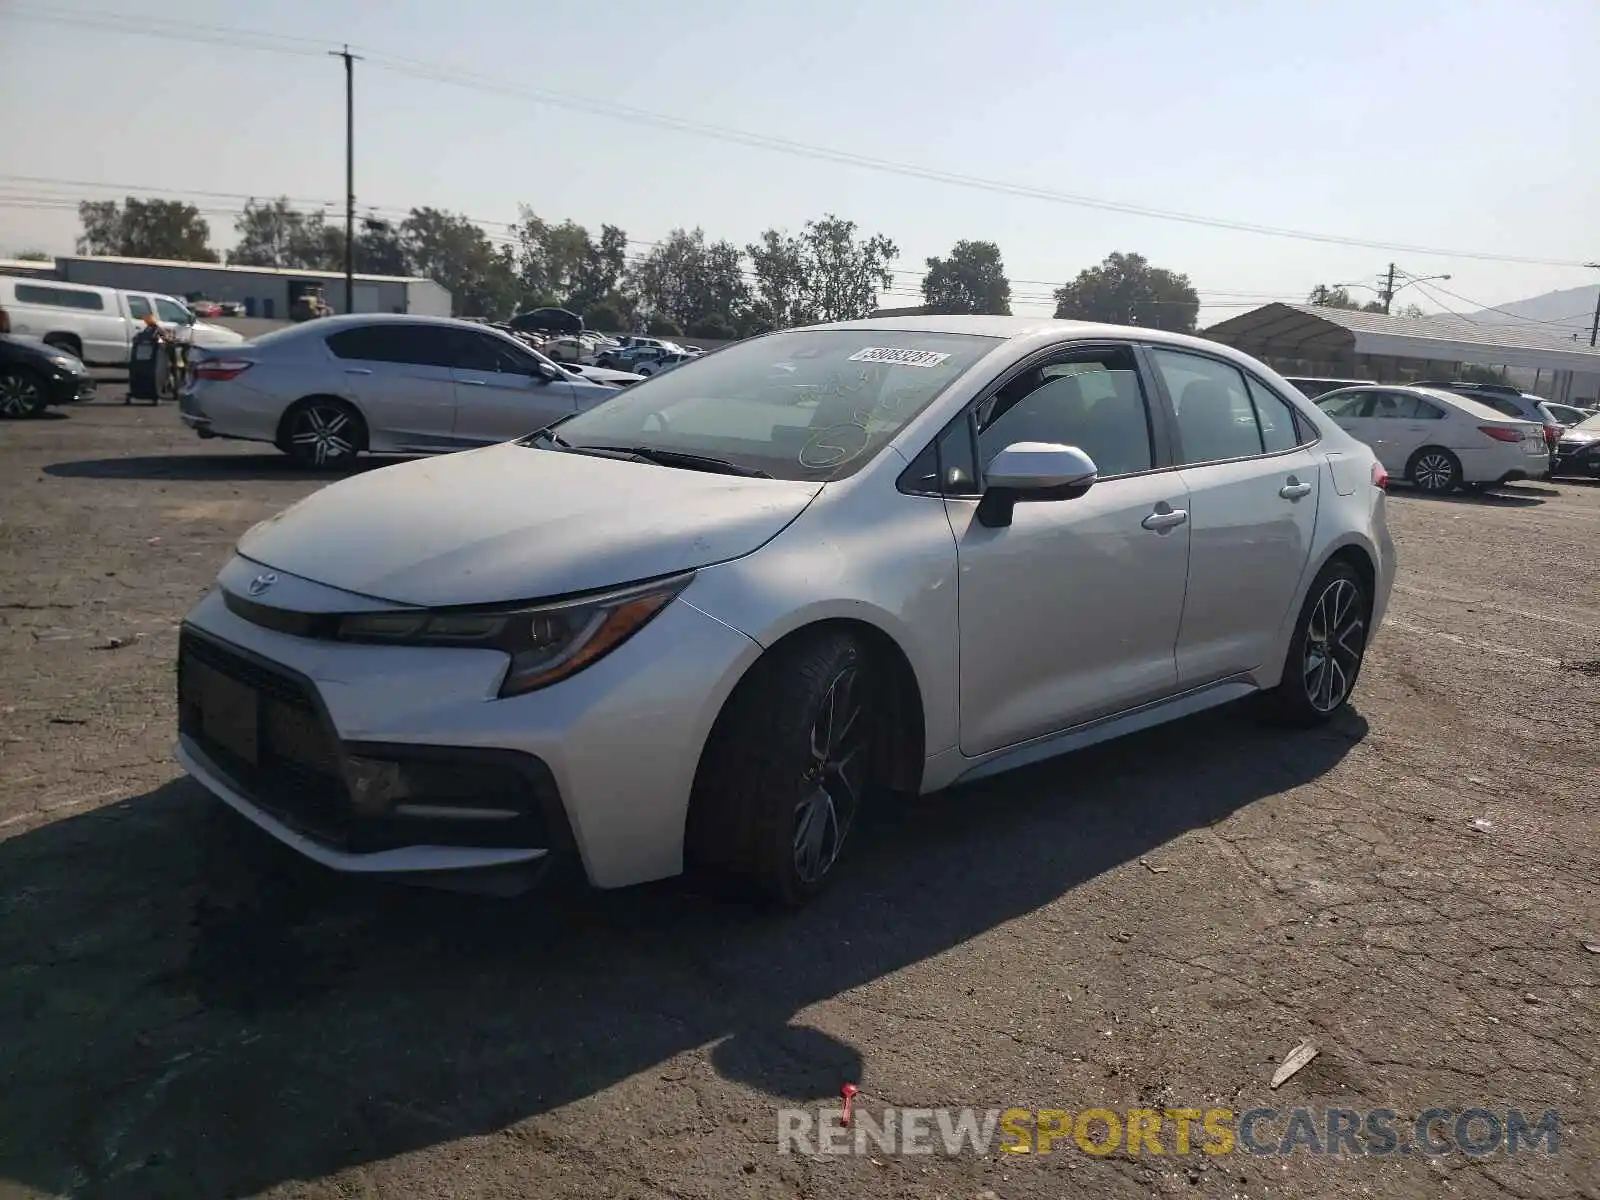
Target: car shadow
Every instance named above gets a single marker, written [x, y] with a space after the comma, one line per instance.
[191, 1009]
[251, 467]
[1495, 498]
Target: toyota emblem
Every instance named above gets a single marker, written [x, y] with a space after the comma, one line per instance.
[261, 583]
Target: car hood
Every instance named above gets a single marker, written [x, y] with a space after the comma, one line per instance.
[1580, 435]
[600, 374]
[511, 522]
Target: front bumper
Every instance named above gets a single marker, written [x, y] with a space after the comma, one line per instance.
[597, 768]
[65, 387]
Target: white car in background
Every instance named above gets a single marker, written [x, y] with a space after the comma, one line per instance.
[98, 324]
[1439, 440]
[326, 390]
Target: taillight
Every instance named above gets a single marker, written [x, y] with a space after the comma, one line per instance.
[222, 368]
[1500, 433]
[1380, 477]
[1552, 435]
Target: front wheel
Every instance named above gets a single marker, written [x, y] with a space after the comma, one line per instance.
[786, 770]
[21, 393]
[1327, 649]
[323, 434]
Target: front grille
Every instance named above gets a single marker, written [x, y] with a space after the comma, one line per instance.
[295, 770]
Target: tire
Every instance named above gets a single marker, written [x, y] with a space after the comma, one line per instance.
[770, 813]
[1434, 470]
[22, 393]
[322, 433]
[1315, 686]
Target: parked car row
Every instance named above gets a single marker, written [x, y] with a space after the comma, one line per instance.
[327, 390]
[98, 324]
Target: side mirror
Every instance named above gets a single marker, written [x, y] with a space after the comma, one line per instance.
[547, 374]
[1032, 471]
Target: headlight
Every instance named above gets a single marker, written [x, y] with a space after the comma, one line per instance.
[546, 642]
[64, 362]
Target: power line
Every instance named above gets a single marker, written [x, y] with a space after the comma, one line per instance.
[414, 68]
[1584, 315]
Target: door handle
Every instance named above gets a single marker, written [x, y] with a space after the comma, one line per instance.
[1165, 518]
[358, 371]
[1294, 489]
[474, 382]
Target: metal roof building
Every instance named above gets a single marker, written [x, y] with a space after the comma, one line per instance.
[1304, 339]
[264, 291]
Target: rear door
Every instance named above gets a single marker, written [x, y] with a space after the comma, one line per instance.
[1351, 410]
[1404, 423]
[1254, 484]
[502, 393]
[400, 376]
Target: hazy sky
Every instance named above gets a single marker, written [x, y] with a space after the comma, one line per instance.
[1468, 126]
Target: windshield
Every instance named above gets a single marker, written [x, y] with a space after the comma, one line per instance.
[805, 404]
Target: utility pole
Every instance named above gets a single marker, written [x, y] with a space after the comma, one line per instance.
[349, 176]
[1388, 291]
[1594, 327]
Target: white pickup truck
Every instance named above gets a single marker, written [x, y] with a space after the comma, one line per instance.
[98, 324]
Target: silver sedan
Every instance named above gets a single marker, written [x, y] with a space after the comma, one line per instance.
[704, 623]
[326, 390]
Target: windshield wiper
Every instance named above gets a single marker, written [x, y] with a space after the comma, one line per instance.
[677, 458]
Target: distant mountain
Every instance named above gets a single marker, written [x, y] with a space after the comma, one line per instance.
[1571, 310]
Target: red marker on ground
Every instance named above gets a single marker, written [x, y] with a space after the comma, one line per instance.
[848, 1091]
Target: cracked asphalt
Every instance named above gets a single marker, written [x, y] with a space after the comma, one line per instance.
[186, 1010]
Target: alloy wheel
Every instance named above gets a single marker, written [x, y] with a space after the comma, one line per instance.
[1434, 472]
[325, 433]
[831, 784]
[1335, 641]
[19, 395]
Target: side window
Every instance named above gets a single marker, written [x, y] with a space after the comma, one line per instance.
[1501, 404]
[1428, 412]
[54, 297]
[1279, 429]
[138, 307]
[1215, 417]
[1402, 406]
[423, 345]
[946, 467]
[479, 352]
[168, 311]
[1346, 405]
[1092, 400]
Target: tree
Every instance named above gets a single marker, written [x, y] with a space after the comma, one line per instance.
[380, 249]
[604, 316]
[971, 280]
[457, 255]
[664, 327]
[1323, 296]
[1473, 373]
[1410, 310]
[715, 326]
[687, 279]
[565, 263]
[780, 293]
[32, 255]
[843, 273]
[1126, 290]
[145, 229]
[275, 234]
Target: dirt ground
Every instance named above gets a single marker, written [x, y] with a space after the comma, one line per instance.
[185, 1010]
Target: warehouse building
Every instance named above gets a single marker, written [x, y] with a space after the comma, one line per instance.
[1337, 343]
[268, 292]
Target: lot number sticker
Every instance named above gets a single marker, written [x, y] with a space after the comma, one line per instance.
[898, 358]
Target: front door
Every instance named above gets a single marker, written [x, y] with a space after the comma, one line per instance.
[400, 376]
[1254, 485]
[1070, 612]
[501, 393]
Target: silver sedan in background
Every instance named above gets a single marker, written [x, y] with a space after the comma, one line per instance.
[326, 390]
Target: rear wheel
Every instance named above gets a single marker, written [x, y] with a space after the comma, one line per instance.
[22, 393]
[1434, 470]
[787, 768]
[1328, 647]
[322, 433]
